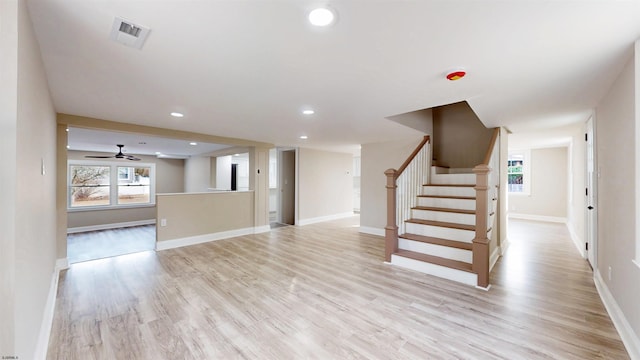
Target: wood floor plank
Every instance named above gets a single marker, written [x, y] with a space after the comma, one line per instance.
[322, 291]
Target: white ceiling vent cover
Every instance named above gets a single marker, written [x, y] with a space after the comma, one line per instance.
[128, 33]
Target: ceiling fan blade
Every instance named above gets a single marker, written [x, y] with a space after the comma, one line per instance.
[132, 158]
[98, 157]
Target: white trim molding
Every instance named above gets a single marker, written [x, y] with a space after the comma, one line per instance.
[554, 219]
[371, 231]
[628, 336]
[315, 220]
[199, 239]
[80, 229]
[49, 310]
[495, 255]
[576, 240]
[261, 229]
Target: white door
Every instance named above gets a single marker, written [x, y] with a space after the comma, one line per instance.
[590, 193]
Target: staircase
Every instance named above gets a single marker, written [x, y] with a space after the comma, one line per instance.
[437, 238]
[435, 229]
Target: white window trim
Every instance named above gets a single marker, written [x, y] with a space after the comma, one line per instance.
[113, 185]
[526, 172]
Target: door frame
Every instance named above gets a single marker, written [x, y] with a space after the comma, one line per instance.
[591, 194]
[281, 170]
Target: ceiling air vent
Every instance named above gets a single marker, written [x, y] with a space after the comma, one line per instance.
[128, 33]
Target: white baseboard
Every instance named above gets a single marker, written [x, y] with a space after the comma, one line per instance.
[371, 231]
[504, 246]
[62, 264]
[110, 226]
[49, 310]
[199, 239]
[495, 255]
[309, 221]
[628, 336]
[261, 229]
[538, 218]
[576, 240]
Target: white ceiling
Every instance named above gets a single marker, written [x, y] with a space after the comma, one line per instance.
[246, 69]
[106, 141]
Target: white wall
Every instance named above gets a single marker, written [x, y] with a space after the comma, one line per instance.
[375, 160]
[28, 133]
[223, 172]
[325, 186]
[8, 138]
[616, 121]
[549, 180]
[197, 172]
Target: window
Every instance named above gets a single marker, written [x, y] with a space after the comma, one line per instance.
[108, 184]
[518, 172]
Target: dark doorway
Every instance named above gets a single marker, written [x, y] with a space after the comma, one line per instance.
[234, 177]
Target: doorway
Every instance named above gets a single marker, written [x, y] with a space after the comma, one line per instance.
[103, 243]
[287, 187]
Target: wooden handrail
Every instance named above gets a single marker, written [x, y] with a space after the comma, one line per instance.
[492, 144]
[413, 154]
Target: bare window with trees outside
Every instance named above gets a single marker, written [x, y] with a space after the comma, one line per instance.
[110, 185]
[518, 172]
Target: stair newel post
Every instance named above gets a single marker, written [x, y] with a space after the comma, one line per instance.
[391, 230]
[481, 242]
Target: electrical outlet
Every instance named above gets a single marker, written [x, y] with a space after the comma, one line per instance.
[163, 222]
[609, 275]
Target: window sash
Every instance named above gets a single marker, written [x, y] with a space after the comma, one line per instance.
[121, 186]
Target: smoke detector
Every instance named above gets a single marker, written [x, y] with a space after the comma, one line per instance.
[127, 33]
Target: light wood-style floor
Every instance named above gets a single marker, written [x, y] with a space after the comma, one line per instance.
[92, 245]
[322, 291]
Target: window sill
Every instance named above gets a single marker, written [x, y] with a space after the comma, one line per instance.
[110, 207]
[519, 194]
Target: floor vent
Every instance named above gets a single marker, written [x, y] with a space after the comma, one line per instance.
[128, 33]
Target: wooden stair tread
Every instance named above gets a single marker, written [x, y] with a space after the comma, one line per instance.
[437, 241]
[448, 197]
[454, 264]
[443, 224]
[458, 211]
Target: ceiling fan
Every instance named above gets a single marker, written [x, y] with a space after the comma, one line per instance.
[119, 155]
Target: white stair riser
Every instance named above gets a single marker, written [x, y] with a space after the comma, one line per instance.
[463, 204]
[448, 190]
[467, 219]
[436, 270]
[441, 176]
[436, 250]
[440, 232]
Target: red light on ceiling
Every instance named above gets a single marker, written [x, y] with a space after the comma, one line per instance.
[456, 75]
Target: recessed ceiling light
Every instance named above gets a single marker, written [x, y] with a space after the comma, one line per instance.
[236, 154]
[67, 129]
[304, 137]
[308, 112]
[68, 146]
[321, 17]
[177, 114]
[158, 153]
[193, 143]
